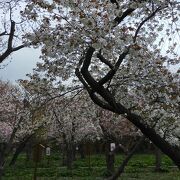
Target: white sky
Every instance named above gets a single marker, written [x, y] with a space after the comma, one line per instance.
[19, 64]
[23, 61]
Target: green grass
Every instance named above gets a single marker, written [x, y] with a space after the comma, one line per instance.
[140, 167]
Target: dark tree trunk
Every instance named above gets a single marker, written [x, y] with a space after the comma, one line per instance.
[63, 151]
[1, 167]
[109, 159]
[158, 161]
[69, 156]
[28, 153]
[97, 148]
[1, 170]
[28, 149]
[81, 151]
[74, 153]
[126, 160]
[19, 149]
[2, 161]
[171, 150]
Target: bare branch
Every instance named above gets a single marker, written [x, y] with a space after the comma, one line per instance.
[18, 48]
[144, 21]
[11, 35]
[3, 33]
[10, 48]
[126, 13]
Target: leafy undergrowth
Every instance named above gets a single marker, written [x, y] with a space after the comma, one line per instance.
[93, 167]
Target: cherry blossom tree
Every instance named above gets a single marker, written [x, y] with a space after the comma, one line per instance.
[10, 105]
[118, 130]
[121, 51]
[19, 120]
[74, 123]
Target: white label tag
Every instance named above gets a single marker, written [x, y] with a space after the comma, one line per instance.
[112, 146]
[48, 151]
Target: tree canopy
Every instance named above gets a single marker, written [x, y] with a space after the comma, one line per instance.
[120, 51]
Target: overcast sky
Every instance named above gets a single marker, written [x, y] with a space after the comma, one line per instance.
[19, 64]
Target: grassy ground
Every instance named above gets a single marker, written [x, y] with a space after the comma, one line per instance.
[140, 167]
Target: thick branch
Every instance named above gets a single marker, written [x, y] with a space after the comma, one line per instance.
[78, 74]
[100, 103]
[112, 72]
[121, 58]
[107, 77]
[10, 48]
[92, 82]
[18, 48]
[105, 61]
[88, 57]
[115, 2]
[94, 98]
[3, 33]
[11, 35]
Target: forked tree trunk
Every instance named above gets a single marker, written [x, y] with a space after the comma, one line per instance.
[95, 87]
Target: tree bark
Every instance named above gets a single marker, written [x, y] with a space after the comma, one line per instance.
[126, 160]
[74, 153]
[108, 101]
[2, 162]
[1, 168]
[63, 153]
[81, 151]
[19, 149]
[109, 159]
[171, 150]
[158, 156]
[69, 156]
[29, 153]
